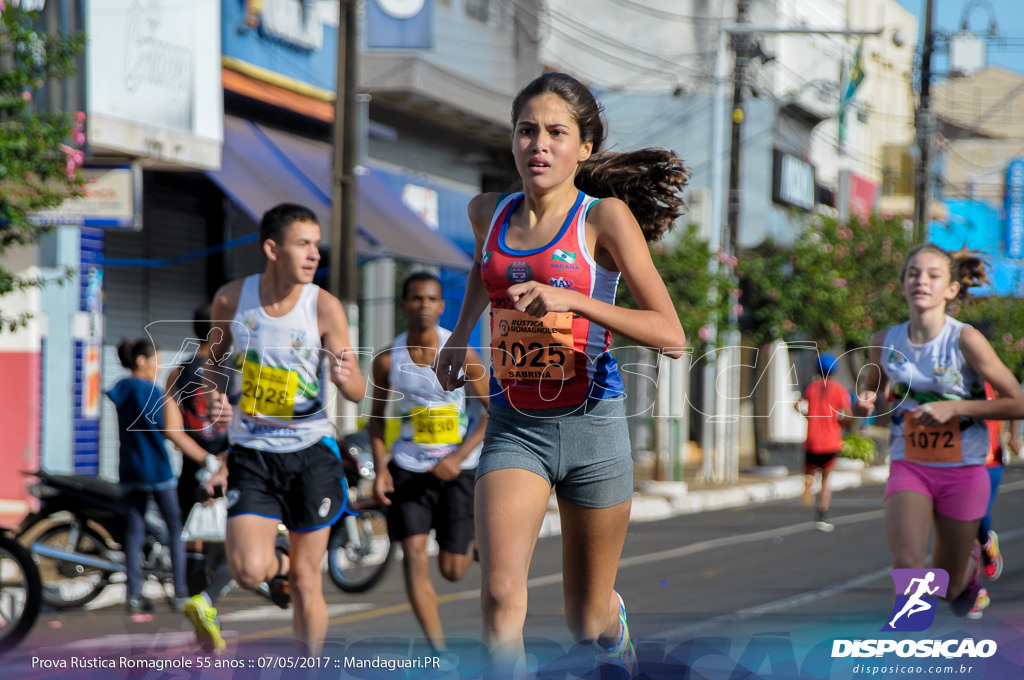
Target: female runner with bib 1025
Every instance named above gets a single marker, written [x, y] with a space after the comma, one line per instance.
[548, 260]
[933, 369]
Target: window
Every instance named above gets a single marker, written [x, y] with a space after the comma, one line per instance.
[478, 9]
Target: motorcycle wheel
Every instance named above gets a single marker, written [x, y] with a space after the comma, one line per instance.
[20, 592]
[357, 563]
[67, 585]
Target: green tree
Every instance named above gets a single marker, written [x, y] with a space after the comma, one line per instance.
[836, 285]
[1002, 322]
[700, 296]
[40, 151]
[839, 283]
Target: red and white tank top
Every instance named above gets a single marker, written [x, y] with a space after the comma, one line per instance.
[562, 360]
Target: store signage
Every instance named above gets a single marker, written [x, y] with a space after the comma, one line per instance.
[296, 39]
[296, 23]
[112, 198]
[1014, 204]
[154, 86]
[792, 181]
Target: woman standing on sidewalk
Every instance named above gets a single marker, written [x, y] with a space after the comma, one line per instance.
[145, 418]
[548, 260]
[933, 368]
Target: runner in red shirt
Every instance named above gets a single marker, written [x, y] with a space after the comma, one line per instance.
[825, 403]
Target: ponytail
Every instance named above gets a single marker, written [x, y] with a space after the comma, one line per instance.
[649, 181]
[970, 269]
[128, 351]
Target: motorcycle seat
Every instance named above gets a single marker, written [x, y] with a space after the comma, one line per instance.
[82, 483]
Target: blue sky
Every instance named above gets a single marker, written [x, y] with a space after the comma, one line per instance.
[1009, 15]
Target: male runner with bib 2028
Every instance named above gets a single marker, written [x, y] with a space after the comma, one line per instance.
[284, 466]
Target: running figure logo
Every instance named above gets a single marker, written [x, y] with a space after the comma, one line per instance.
[914, 610]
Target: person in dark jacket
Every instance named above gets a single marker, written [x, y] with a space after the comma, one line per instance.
[145, 420]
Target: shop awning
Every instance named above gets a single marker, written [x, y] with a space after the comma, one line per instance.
[262, 167]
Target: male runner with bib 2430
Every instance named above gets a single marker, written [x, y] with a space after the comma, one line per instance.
[429, 481]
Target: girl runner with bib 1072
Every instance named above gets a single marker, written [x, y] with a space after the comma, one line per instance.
[933, 369]
[548, 260]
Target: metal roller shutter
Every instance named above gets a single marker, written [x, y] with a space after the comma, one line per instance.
[175, 222]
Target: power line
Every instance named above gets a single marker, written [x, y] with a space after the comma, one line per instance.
[665, 14]
[669, 69]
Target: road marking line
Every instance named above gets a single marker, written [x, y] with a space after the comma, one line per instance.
[772, 607]
[682, 551]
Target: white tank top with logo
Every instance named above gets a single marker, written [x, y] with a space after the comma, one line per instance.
[277, 386]
[932, 372]
[434, 421]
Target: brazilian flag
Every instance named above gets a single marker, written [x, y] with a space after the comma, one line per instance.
[854, 77]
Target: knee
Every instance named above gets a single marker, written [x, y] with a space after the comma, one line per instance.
[247, 577]
[415, 561]
[907, 558]
[453, 567]
[249, 573]
[503, 593]
[305, 585]
[452, 572]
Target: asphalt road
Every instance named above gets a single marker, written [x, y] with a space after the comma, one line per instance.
[753, 592]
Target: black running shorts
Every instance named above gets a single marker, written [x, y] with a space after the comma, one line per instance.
[422, 502]
[819, 461]
[301, 489]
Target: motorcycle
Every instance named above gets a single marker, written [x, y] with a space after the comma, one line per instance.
[359, 550]
[77, 536]
[20, 591]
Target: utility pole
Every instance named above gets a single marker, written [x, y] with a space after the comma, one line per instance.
[344, 266]
[741, 47]
[925, 125]
[344, 276]
[724, 418]
[727, 405]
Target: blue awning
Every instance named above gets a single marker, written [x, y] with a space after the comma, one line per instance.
[262, 167]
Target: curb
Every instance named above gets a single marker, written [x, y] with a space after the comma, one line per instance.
[655, 501]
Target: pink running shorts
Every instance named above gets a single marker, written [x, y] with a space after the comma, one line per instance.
[960, 493]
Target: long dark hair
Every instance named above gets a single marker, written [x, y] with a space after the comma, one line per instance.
[649, 180]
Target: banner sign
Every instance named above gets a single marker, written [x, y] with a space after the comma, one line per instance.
[1014, 204]
[112, 199]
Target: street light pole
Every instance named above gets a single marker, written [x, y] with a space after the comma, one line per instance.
[925, 124]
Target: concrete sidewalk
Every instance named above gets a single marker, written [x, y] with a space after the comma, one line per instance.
[660, 500]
